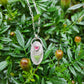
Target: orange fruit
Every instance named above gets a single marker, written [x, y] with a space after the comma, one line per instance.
[25, 64]
[73, 82]
[78, 39]
[59, 54]
[12, 33]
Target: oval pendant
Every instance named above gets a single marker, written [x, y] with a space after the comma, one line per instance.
[36, 52]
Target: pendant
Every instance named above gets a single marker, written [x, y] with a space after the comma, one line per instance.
[36, 51]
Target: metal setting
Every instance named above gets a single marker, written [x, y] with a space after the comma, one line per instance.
[36, 51]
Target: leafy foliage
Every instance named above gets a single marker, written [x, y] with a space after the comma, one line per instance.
[58, 30]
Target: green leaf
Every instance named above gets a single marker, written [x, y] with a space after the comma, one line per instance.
[48, 24]
[76, 6]
[53, 40]
[64, 60]
[45, 61]
[20, 38]
[1, 46]
[7, 81]
[64, 36]
[72, 71]
[16, 46]
[23, 19]
[75, 28]
[12, 1]
[81, 54]
[21, 77]
[26, 31]
[2, 81]
[48, 51]
[49, 82]
[1, 18]
[23, 4]
[37, 76]
[52, 9]
[55, 80]
[76, 66]
[41, 68]
[74, 18]
[43, 0]
[77, 52]
[6, 39]
[81, 63]
[15, 81]
[3, 65]
[80, 23]
[16, 55]
[4, 29]
[33, 80]
[36, 17]
[69, 54]
[51, 30]
[9, 68]
[44, 43]
[52, 70]
[6, 49]
[28, 43]
[42, 7]
[42, 81]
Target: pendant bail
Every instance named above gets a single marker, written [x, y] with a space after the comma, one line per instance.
[36, 36]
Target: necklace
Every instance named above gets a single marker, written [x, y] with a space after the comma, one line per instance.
[36, 43]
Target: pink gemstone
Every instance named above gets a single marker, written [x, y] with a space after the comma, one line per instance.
[36, 47]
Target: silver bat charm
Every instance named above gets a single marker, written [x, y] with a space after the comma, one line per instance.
[36, 51]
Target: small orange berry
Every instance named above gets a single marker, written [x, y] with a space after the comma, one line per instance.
[59, 54]
[9, 19]
[12, 33]
[73, 82]
[25, 64]
[78, 39]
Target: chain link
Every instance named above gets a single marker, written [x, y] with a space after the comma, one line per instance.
[31, 13]
[37, 13]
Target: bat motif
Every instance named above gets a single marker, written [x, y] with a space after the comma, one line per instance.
[36, 52]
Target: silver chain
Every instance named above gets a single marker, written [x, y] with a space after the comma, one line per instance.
[31, 13]
[37, 13]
